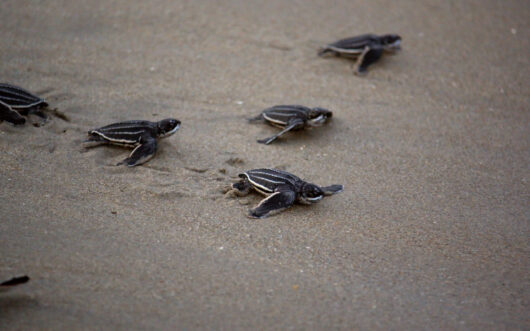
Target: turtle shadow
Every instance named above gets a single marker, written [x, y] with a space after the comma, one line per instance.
[109, 156]
[306, 136]
[251, 201]
[11, 304]
[105, 155]
[383, 64]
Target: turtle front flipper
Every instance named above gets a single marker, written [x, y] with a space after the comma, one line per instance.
[332, 189]
[141, 154]
[293, 124]
[369, 56]
[276, 202]
[10, 115]
[9, 284]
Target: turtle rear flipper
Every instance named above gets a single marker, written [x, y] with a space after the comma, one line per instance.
[9, 284]
[326, 51]
[332, 189]
[323, 51]
[276, 202]
[258, 118]
[94, 140]
[293, 124]
[141, 154]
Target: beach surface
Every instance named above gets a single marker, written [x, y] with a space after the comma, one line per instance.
[432, 145]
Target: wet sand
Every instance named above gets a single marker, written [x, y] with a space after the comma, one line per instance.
[432, 146]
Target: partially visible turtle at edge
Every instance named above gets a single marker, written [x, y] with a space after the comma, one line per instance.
[292, 117]
[366, 48]
[282, 188]
[142, 135]
[20, 101]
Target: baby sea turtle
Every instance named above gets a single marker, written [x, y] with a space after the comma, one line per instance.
[22, 101]
[366, 48]
[139, 134]
[9, 284]
[282, 188]
[292, 117]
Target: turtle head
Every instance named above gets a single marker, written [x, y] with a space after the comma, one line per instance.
[318, 116]
[167, 127]
[391, 42]
[311, 193]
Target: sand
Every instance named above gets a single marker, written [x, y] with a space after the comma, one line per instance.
[432, 146]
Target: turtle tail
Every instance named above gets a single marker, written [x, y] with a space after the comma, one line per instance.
[256, 119]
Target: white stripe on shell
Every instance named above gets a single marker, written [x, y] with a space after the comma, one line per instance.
[346, 51]
[24, 106]
[124, 132]
[274, 120]
[120, 127]
[260, 188]
[115, 141]
[284, 177]
[128, 124]
[287, 112]
[270, 180]
[263, 192]
[24, 94]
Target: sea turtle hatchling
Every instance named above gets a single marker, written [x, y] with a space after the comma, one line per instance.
[142, 135]
[22, 101]
[366, 48]
[292, 117]
[282, 188]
